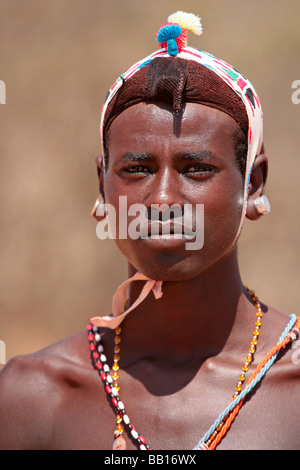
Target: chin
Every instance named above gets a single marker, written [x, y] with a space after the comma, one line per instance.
[168, 267]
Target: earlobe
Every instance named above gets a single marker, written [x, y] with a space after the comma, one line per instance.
[99, 210]
[262, 205]
[257, 203]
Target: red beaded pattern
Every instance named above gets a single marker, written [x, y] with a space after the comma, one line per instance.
[111, 389]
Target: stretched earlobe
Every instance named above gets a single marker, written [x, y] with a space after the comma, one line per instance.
[257, 207]
[257, 203]
[99, 210]
[262, 205]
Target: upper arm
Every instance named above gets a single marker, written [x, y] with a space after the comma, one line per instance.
[24, 405]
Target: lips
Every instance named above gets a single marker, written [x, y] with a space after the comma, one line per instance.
[168, 229]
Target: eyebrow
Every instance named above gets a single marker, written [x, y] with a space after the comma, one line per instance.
[202, 155]
[135, 157]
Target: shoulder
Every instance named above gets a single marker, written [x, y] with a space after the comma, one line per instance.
[285, 365]
[278, 326]
[285, 374]
[281, 386]
[32, 389]
[289, 356]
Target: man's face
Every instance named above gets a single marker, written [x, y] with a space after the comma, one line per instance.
[156, 158]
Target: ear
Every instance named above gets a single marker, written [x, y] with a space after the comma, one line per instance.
[98, 210]
[257, 185]
[99, 164]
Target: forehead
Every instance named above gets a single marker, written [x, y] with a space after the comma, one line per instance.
[154, 125]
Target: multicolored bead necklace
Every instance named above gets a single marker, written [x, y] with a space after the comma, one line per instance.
[221, 426]
[112, 387]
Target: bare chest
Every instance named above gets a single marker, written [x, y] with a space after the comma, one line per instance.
[177, 417]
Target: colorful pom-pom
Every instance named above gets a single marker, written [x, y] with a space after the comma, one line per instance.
[187, 21]
[167, 36]
[173, 35]
[169, 31]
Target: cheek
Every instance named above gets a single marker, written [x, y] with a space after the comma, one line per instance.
[223, 212]
[120, 199]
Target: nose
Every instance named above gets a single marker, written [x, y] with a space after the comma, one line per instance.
[164, 212]
[165, 200]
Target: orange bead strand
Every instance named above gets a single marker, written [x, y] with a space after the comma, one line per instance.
[248, 362]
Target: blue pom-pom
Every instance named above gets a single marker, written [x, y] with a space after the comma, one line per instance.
[169, 33]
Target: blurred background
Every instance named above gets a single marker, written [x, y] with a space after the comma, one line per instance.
[58, 59]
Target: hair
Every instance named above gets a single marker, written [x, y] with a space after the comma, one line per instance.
[240, 142]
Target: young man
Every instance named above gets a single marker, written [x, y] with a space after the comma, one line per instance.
[181, 129]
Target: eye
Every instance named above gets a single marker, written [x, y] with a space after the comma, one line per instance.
[201, 169]
[136, 169]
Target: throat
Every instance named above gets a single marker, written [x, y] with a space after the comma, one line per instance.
[183, 325]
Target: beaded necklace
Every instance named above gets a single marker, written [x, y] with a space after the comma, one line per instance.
[222, 424]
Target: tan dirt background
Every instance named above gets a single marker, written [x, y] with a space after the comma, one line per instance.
[58, 58]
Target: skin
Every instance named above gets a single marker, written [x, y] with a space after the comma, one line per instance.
[181, 356]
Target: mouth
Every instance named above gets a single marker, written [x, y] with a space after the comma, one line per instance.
[166, 230]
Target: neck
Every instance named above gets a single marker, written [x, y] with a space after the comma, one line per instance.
[195, 317]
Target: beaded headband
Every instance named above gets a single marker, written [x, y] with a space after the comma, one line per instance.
[172, 39]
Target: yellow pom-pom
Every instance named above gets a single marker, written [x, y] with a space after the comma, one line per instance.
[187, 20]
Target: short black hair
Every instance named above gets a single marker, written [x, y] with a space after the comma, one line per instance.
[240, 142]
